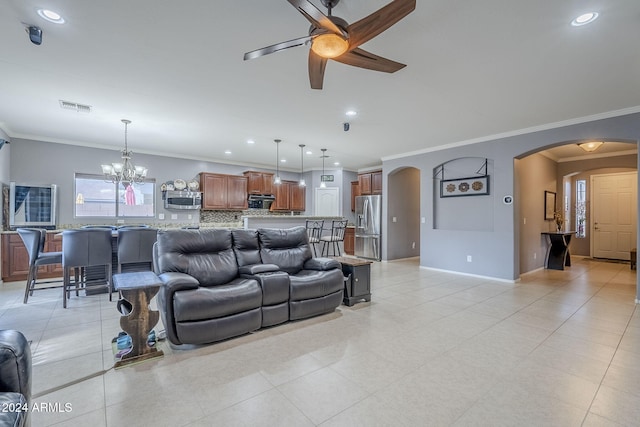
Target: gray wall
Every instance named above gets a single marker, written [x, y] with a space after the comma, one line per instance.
[404, 204]
[5, 155]
[495, 253]
[32, 162]
[536, 174]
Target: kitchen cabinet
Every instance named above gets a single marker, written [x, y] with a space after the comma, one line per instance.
[355, 192]
[290, 196]
[259, 182]
[15, 259]
[370, 183]
[223, 192]
[349, 240]
[364, 181]
[376, 182]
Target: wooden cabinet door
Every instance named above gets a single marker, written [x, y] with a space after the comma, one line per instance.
[376, 183]
[349, 241]
[282, 193]
[267, 183]
[15, 259]
[236, 192]
[214, 191]
[355, 192]
[254, 182]
[364, 180]
[297, 197]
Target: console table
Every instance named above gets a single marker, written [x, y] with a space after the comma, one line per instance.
[357, 277]
[558, 255]
[138, 288]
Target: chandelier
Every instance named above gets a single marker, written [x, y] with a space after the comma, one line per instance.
[124, 172]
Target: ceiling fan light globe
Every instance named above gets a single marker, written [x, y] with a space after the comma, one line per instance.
[329, 45]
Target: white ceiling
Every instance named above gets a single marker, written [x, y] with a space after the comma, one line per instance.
[474, 69]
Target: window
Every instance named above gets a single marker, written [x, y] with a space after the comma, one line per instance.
[95, 197]
[581, 207]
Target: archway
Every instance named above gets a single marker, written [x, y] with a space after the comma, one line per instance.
[403, 214]
[537, 172]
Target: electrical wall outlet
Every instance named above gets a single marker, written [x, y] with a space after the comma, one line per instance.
[161, 216]
[174, 216]
[394, 219]
[423, 220]
[189, 216]
[469, 258]
[120, 221]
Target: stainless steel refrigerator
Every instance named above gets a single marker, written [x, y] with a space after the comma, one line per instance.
[368, 227]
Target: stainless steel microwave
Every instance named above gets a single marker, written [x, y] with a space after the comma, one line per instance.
[182, 200]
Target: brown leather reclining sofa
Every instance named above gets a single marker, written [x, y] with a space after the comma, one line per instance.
[220, 283]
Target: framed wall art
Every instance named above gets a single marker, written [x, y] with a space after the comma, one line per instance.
[549, 205]
[473, 186]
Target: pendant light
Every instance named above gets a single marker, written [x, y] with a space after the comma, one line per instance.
[124, 172]
[324, 156]
[302, 182]
[276, 179]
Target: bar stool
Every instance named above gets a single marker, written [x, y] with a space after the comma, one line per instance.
[34, 240]
[314, 231]
[85, 248]
[337, 235]
[135, 248]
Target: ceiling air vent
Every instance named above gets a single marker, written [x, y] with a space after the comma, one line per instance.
[66, 105]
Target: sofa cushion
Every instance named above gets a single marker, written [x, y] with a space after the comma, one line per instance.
[309, 284]
[203, 303]
[207, 255]
[286, 248]
[246, 246]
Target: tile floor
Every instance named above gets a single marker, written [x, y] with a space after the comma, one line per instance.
[559, 348]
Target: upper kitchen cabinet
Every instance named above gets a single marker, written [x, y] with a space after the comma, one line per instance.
[220, 192]
[355, 192]
[259, 182]
[370, 183]
[289, 197]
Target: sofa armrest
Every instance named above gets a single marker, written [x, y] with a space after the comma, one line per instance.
[252, 269]
[172, 282]
[15, 363]
[321, 264]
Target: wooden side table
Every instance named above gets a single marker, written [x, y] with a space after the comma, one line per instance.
[138, 288]
[357, 276]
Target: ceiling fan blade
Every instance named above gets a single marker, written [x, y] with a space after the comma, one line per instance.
[276, 47]
[317, 65]
[363, 59]
[316, 17]
[380, 20]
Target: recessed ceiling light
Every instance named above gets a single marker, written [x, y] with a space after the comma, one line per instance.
[227, 152]
[584, 19]
[251, 141]
[351, 113]
[336, 163]
[309, 152]
[283, 160]
[51, 16]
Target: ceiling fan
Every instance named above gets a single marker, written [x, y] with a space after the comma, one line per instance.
[332, 38]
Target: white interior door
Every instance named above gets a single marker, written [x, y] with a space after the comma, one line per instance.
[613, 214]
[327, 201]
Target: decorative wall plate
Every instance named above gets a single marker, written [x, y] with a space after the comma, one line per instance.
[179, 184]
[193, 185]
